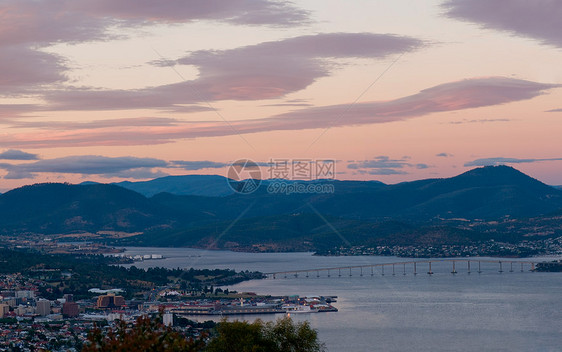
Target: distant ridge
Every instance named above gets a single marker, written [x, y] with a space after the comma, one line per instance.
[218, 186]
[209, 213]
[197, 185]
[62, 208]
[489, 192]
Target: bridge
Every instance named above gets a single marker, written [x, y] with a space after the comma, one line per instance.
[413, 267]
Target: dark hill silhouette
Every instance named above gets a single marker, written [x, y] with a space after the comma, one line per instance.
[62, 208]
[486, 193]
[356, 207]
[218, 186]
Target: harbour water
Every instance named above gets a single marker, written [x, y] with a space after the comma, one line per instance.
[490, 311]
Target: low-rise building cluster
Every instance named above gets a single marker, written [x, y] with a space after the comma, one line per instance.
[548, 246]
[29, 322]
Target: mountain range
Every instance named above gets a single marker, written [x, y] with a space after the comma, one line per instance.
[196, 185]
[204, 211]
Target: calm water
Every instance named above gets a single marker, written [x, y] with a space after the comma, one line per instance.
[443, 312]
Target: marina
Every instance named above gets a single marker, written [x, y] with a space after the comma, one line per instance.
[270, 305]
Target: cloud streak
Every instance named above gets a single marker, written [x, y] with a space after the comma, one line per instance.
[383, 165]
[198, 165]
[108, 123]
[379, 162]
[263, 71]
[465, 94]
[27, 26]
[538, 19]
[247, 12]
[477, 121]
[503, 161]
[22, 67]
[13, 154]
[44, 22]
[88, 165]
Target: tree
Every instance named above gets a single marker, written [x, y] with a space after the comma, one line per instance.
[281, 336]
[145, 335]
[238, 336]
[288, 336]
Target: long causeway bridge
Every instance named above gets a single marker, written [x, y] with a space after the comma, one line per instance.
[413, 267]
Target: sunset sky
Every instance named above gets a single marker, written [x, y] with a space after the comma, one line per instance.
[395, 90]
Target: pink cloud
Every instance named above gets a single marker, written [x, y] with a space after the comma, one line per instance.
[9, 112]
[46, 21]
[109, 123]
[263, 71]
[28, 25]
[274, 69]
[253, 12]
[465, 94]
[539, 19]
[21, 67]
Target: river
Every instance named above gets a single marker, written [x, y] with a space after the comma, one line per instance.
[490, 311]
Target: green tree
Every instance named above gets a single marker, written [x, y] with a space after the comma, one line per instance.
[145, 335]
[288, 336]
[238, 336]
[281, 336]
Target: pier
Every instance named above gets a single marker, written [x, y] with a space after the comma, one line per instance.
[411, 267]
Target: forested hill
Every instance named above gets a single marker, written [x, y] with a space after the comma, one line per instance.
[488, 193]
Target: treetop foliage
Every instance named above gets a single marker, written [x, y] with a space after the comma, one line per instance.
[237, 336]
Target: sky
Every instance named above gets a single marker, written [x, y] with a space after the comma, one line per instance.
[393, 91]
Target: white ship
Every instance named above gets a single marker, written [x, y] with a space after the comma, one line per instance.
[297, 308]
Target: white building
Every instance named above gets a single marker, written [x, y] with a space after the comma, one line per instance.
[25, 294]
